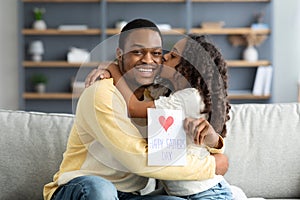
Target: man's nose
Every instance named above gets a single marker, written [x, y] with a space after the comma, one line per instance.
[147, 58]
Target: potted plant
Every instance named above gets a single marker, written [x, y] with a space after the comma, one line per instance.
[39, 23]
[39, 82]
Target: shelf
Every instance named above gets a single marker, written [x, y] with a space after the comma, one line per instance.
[221, 31]
[230, 31]
[245, 95]
[136, 1]
[58, 64]
[242, 63]
[145, 1]
[230, 63]
[174, 31]
[248, 97]
[60, 1]
[243, 1]
[52, 96]
[49, 96]
[61, 32]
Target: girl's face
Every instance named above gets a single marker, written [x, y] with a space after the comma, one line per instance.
[171, 60]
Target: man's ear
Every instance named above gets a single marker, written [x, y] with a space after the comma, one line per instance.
[119, 53]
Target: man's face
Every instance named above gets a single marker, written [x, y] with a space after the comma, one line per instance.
[142, 56]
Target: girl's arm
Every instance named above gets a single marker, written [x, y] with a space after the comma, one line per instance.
[100, 73]
[136, 108]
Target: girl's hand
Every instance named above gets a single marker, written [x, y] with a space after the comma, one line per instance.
[202, 132]
[101, 72]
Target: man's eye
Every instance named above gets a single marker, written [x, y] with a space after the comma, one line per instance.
[137, 52]
[158, 53]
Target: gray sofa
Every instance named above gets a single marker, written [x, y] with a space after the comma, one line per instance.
[263, 146]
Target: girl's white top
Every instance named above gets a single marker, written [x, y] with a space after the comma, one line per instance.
[190, 102]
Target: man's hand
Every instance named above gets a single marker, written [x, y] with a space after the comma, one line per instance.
[202, 132]
[221, 163]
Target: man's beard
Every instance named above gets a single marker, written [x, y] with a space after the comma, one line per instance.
[132, 82]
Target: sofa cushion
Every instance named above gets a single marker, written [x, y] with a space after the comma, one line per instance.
[263, 146]
[31, 148]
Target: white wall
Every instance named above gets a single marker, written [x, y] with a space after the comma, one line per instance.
[8, 54]
[286, 51]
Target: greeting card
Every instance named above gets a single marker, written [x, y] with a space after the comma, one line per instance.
[166, 138]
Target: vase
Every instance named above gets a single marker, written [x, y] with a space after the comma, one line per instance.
[250, 54]
[39, 24]
[36, 57]
[40, 88]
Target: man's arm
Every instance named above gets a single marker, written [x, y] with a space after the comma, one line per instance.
[221, 163]
[101, 112]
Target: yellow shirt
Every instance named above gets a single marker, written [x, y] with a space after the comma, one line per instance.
[103, 142]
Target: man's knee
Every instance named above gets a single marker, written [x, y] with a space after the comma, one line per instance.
[98, 188]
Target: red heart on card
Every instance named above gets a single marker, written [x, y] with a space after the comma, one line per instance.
[166, 123]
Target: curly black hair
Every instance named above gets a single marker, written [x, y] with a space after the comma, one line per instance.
[206, 70]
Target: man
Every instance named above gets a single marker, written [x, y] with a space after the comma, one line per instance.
[104, 160]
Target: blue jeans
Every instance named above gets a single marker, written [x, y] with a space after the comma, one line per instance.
[97, 188]
[86, 188]
[221, 191]
[130, 196]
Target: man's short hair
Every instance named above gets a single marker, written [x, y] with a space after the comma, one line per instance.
[136, 24]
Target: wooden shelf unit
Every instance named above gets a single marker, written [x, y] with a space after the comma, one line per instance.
[61, 32]
[243, 63]
[174, 31]
[58, 64]
[145, 1]
[230, 63]
[230, 31]
[55, 96]
[139, 1]
[46, 96]
[248, 97]
[102, 31]
[228, 1]
[61, 1]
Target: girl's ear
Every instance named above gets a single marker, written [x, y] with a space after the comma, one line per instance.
[199, 80]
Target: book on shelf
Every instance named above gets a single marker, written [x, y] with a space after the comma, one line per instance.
[259, 26]
[263, 80]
